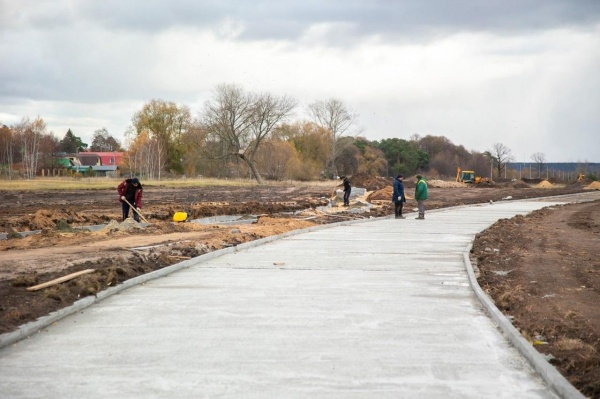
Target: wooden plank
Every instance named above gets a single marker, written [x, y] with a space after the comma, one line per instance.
[59, 280]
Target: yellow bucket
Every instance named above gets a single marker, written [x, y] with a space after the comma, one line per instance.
[180, 216]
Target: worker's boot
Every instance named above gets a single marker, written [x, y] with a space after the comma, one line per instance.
[421, 216]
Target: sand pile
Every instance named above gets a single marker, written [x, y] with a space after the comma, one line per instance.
[544, 184]
[385, 194]
[444, 184]
[112, 226]
[42, 220]
[593, 186]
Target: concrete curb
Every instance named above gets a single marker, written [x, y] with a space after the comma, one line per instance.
[550, 375]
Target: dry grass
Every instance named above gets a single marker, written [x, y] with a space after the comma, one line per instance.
[510, 297]
[570, 344]
[15, 315]
[101, 183]
[571, 314]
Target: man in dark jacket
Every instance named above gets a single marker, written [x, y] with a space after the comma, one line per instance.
[398, 196]
[130, 190]
[347, 189]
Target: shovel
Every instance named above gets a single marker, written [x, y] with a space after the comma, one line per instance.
[135, 210]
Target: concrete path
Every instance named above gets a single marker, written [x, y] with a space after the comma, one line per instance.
[379, 309]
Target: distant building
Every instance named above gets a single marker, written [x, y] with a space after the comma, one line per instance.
[101, 162]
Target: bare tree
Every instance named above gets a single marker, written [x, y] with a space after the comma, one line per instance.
[146, 155]
[7, 149]
[102, 141]
[416, 137]
[339, 120]
[539, 158]
[499, 155]
[241, 121]
[30, 134]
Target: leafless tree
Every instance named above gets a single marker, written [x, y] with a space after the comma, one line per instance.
[416, 137]
[7, 149]
[102, 141]
[241, 121]
[146, 156]
[339, 120]
[29, 134]
[499, 156]
[539, 158]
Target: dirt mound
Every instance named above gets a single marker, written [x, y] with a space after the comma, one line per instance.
[42, 220]
[50, 219]
[593, 186]
[532, 181]
[385, 194]
[112, 226]
[544, 184]
[577, 183]
[370, 183]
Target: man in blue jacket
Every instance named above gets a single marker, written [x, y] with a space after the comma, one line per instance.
[398, 196]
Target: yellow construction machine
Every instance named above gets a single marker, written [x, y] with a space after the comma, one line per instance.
[467, 176]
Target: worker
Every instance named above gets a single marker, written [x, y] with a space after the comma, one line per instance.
[130, 192]
[398, 197]
[347, 190]
[421, 196]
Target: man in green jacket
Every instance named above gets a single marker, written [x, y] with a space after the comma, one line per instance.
[421, 196]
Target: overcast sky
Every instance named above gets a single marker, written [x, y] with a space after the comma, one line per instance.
[525, 73]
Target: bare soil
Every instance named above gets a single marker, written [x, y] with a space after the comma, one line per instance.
[542, 269]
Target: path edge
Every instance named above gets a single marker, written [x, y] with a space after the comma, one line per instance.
[547, 371]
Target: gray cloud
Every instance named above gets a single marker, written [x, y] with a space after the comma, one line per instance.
[93, 63]
[275, 19]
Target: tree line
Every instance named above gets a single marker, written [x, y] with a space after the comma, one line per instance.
[244, 134]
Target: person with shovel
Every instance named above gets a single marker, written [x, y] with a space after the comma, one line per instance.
[130, 194]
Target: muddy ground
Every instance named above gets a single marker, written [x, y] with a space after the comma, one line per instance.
[542, 270]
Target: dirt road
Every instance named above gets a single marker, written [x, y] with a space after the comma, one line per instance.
[538, 301]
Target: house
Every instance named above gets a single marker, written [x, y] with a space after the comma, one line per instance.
[102, 162]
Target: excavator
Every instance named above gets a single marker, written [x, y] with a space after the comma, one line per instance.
[467, 176]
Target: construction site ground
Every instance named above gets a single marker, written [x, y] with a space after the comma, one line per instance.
[542, 270]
